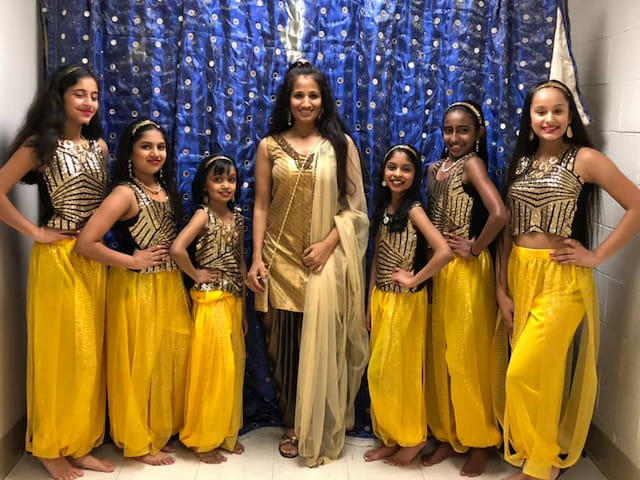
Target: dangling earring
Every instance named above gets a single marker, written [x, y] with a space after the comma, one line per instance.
[130, 168]
[446, 152]
[384, 183]
[531, 135]
[160, 176]
[289, 117]
[477, 145]
[569, 132]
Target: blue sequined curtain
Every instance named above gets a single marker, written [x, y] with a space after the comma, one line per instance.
[208, 71]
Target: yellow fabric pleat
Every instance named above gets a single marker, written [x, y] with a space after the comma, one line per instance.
[460, 359]
[148, 340]
[65, 365]
[216, 371]
[397, 367]
[548, 411]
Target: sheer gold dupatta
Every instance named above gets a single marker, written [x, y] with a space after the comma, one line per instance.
[334, 343]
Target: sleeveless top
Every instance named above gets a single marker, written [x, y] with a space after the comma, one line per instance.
[396, 249]
[154, 224]
[450, 201]
[220, 249]
[545, 198]
[73, 185]
[293, 176]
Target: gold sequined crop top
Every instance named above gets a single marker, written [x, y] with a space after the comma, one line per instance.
[395, 249]
[450, 201]
[73, 185]
[544, 198]
[153, 225]
[220, 249]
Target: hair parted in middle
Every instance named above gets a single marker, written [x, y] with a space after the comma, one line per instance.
[218, 164]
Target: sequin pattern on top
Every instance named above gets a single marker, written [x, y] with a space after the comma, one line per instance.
[544, 196]
[450, 205]
[220, 249]
[395, 250]
[75, 183]
[153, 225]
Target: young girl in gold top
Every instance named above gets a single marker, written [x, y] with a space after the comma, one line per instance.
[60, 149]
[216, 368]
[148, 321]
[545, 281]
[466, 208]
[398, 308]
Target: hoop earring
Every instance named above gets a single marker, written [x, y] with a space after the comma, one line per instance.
[569, 132]
[289, 117]
[130, 168]
[531, 135]
[384, 183]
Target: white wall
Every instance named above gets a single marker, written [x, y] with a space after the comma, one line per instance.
[606, 44]
[18, 82]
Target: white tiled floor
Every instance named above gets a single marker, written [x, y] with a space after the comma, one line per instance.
[262, 461]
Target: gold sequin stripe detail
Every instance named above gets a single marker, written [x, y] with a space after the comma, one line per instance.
[395, 249]
[449, 207]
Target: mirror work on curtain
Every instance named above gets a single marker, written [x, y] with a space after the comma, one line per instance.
[208, 70]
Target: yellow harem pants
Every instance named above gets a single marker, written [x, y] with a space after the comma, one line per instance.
[216, 371]
[148, 340]
[65, 355]
[549, 398]
[461, 361]
[396, 371]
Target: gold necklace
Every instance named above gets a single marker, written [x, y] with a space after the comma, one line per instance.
[540, 167]
[144, 186]
[445, 169]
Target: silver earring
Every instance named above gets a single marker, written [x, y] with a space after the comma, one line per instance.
[130, 168]
[384, 183]
[477, 146]
[289, 117]
[569, 132]
[531, 135]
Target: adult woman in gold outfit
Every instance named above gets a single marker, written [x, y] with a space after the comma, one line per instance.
[545, 282]
[309, 239]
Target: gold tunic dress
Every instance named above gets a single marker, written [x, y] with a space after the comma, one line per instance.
[398, 336]
[461, 362]
[550, 393]
[65, 313]
[320, 351]
[216, 368]
[148, 338]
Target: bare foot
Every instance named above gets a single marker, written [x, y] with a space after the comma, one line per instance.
[404, 456]
[211, 456]
[157, 460]
[444, 450]
[60, 468]
[518, 476]
[380, 453]
[168, 448]
[238, 449]
[89, 462]
[476, 462]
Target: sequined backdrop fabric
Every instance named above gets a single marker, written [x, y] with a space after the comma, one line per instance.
[208, 71]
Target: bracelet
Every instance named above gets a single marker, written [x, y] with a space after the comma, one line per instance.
[473, 254]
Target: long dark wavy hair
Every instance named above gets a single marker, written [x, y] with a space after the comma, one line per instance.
[167, 175]
[45, 120]
[589, 200]
[412, 195]
[479, 213]
[329, 123]
[219, 164]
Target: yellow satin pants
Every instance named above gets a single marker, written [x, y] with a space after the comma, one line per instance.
[148, 339]
[65, 366]
[396, 371]
[460, 358]
[216, 372]
[549, 396]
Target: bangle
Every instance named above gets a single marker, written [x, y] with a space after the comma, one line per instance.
[471, 252]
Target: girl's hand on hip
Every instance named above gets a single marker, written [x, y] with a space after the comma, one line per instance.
[574, 253]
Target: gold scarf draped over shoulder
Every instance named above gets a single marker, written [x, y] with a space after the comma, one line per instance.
[334, 343]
